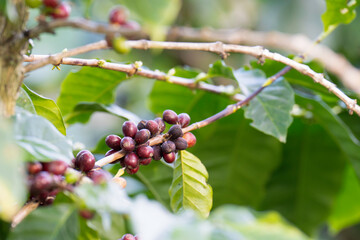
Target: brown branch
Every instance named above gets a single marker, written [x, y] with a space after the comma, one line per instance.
[24, 211]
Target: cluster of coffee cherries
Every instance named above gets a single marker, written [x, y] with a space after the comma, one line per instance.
[119, 16]
[135, 142]
[46, 180]
[129, 236]
[54, 8]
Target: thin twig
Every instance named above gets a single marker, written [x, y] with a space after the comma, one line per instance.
[24, 211]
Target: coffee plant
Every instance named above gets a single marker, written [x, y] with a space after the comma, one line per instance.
[159, 133]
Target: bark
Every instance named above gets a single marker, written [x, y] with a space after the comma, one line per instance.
[13, 45]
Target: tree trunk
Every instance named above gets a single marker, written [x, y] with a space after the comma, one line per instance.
[13, 45]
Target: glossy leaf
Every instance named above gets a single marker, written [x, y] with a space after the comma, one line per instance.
[12, 177]
[83, 111]
[40, 138]
[270, 110]
[338, 12]
[88, 85]
[220, 69]
[46, 108]
[304, 187]
[50, 223]
[189, 188]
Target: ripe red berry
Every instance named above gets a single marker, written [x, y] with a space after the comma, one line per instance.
[168, 147]
[86, 214]
[142, 136]
[184, 119]
[157, 152]
[51, 3]
[34, 167]
[180, 143]
[62, 11]
[113, 141]
[57, 167]
[169, 157]
[141, 124]
[99, 176]
[118, 15]
[42, 181]
[127, 144]
[132, 171]
[128, 236]
[145, 151]
[190, 138]
[170, 116]
[129, 129]
[131, 160]
[152, 126]
[85, 161]
[161, 124]
[145, 161]
[175, 132]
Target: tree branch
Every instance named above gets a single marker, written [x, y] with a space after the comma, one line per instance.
[24, 211]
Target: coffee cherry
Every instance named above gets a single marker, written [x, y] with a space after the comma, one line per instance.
[113, 141]
[161, 124]
[111, 151]
[85, 161]
[175, 132]
[180, 143]
[127, 144]
[142, 136]
[141, 124]
[118, 15]
[99, 176]
[145, 161]
[120, 181]
[42, 181]
[62, 11]
[86, 214]
[168, 147]
[132, 171]
[184, 119]
[33, 3]
[51, 3]
[170, 116]
[152, 126]
[128, 236]
[157, 152]
[34, 168]
[129, 129]
[169, 157]
[131, 160]
[190, 138]
[57, 167]
[145, 151]
[122, 162]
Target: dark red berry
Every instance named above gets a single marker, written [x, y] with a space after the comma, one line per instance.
[184, 119]
[141, 124]
[86, 214]
[190, 138]
[157, 152]
[127, 144]
[57, 167]
[122, 163]
[169, 157]
[175, 132]
[142, 136]
[168, 147]
[129, 129]
[118, 15]
[48, 201]
[128, 236]
[131, 160]
[145, 161]
[161, 124]
[132, 171]
[42, 181]
[85, 161]
[51, 3]
[43, 196]
[145, 151]
[34, 167]
[180, 143]
[152, 126]
[99, 176]
[113, 141]
[62, 11]
[111, 151]
[170, 116]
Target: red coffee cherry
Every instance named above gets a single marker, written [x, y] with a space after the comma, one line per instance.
[190, 138]
[62, 11]
[170, 116]
[118, 15]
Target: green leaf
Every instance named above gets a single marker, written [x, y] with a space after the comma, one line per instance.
[83, 111]
[24, 102]
[49, 223]
[40, 138]
[304, 187]
[189, 188]
[46, 108]
[338, 12]
[220, 69]
[116, 230]
[88, 85]
[346, 210]
[12, 176]
[270, 110]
